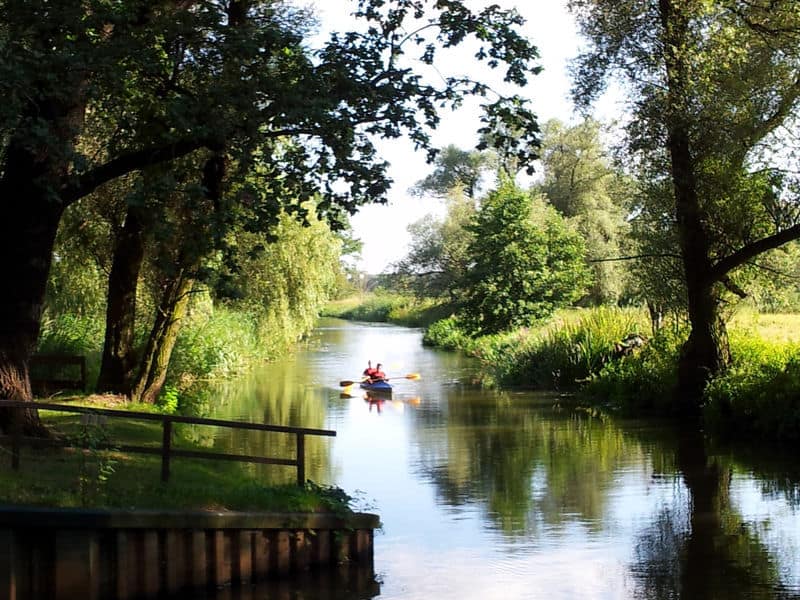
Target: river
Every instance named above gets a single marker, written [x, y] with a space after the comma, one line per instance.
[492, 494]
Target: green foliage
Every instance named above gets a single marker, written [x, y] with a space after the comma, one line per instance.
[563, 355]
[644, 381]
[584, 187]
[525, 262]
[455, 168]
[713, 93]
[168, 400]
[71, 334]
[447, 334]
[759, 395]
[96, 464]
[438, 258]
[386, 307]
[220, 344]
[199, 98]
[74, 334]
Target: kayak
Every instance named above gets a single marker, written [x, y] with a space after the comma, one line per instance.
[379, 387]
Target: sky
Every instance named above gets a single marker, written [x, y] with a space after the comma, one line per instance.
[383, 228]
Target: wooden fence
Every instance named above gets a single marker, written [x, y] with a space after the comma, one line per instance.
[166, 451]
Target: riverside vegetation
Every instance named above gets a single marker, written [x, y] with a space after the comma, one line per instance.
[574, 351]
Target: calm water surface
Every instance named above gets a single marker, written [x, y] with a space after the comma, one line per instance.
[487, 494]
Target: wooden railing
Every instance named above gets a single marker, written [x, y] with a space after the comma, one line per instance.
[166, 451]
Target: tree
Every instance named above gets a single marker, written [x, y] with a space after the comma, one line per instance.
[525, 262]
[160, 78]
[714, 84]
[438, 261]
[582, 185]
[455, 168]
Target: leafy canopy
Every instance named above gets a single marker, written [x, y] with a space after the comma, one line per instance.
[526, 262]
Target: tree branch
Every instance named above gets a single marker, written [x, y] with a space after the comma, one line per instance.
[127, 163]
[750, 251]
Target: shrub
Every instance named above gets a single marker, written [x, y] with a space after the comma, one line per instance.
[74, 334]
[446, 334]
[644, 381]
[218, 345]
[760, 394]
[564, 355]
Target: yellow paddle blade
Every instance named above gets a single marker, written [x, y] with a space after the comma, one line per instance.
[413, 376]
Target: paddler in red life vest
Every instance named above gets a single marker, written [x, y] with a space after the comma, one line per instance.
[369, 372]
[378, 375]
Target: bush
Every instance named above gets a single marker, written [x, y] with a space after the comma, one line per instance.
[446, 334]
[74, 334]
[644, 381]
[760, 394]
[219, 345]
[565, 355]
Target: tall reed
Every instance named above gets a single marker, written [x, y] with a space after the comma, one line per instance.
[565, 354]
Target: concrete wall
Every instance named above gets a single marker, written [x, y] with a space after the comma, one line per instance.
[65, 554]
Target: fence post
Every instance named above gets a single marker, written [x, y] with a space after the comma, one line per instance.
[16, 443]
[166, 444]
[301, 459]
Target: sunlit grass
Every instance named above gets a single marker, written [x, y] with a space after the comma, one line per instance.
[112, 479]
[388, 308]
[769, 326]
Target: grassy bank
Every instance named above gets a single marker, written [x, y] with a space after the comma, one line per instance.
[387, 308]
[216, 342]
[577, 350]
[108, 479]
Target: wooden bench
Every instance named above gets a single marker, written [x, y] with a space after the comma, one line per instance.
[52, 373]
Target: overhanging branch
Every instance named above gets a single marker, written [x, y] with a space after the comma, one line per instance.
[750, 251]
[127, 163]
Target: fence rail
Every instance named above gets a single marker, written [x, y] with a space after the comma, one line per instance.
[166, 451]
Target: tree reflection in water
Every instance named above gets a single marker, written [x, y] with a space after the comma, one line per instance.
[710, 551]
[541, 469]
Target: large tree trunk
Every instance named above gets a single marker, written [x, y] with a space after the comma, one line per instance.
[706, 351]
[118, 363]
[29, 218]
[169, 319]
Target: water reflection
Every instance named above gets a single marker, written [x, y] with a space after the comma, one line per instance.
[515, 495]
[712, 550]
[347, 582]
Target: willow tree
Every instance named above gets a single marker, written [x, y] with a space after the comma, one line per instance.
[160, 72]
[582, 184]
[714, 89]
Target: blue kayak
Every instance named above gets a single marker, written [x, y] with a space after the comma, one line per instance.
[380, 387]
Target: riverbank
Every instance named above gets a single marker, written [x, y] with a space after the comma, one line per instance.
[610, 357]
[116, 480]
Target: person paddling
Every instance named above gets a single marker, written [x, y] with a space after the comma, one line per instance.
[369, 372]
[378, 375]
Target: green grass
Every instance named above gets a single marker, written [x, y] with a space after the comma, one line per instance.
[110, 479]
[388, 308]
[759, 395]
[771, 327]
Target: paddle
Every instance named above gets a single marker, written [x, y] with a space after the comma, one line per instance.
[347, 382]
